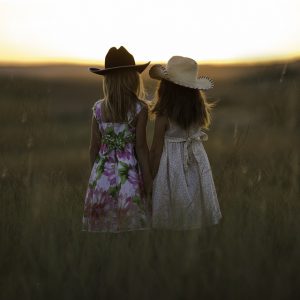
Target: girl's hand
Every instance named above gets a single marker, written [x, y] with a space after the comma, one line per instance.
[149, 205]
[148, 182]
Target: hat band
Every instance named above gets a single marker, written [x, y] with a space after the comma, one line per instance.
[117, 65]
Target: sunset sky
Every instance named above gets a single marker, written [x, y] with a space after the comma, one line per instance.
[210, 31]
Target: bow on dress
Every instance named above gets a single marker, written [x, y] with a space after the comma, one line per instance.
[188, 145]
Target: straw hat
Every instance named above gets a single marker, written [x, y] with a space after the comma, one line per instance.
[119, 59]
[182, 71]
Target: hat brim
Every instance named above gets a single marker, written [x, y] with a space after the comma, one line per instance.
[138, 68]
[159, 72]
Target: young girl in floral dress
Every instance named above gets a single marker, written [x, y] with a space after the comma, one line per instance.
[184, 195]
[120, 178]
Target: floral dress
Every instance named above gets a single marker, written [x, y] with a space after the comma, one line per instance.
[115, 199]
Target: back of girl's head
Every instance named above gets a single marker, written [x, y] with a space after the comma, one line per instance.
[182, 105]
[122, 89]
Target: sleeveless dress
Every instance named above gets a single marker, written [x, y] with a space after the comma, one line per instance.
[115, 199]
[184, 195]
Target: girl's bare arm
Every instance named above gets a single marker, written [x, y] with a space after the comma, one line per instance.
[95, 141]
[157, 146]
[142, 149]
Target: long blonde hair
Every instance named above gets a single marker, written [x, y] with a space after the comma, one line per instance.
[122, 90]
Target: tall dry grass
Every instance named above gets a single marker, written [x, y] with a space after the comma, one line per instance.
[254, 152]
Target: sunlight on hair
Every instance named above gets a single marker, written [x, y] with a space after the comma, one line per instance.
[121, 90]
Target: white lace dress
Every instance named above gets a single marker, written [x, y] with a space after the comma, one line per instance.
[184, 195]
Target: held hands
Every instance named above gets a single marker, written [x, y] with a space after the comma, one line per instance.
[148, 182]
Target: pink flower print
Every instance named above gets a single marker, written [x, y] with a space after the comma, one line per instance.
[124, 205]
[102, 203]
[126, 153]
[124, 210]
[89, 194]
[96, 211]
[107, 199]
[103, 149]
[97, 194]
[109, 171]
[133, 177]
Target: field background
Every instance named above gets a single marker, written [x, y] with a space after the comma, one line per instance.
[253, 147]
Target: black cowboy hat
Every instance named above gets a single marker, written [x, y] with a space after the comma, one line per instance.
[119, 59]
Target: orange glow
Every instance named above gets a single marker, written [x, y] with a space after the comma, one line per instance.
[213, 32]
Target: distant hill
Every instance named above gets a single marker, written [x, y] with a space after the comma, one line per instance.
[217, 72]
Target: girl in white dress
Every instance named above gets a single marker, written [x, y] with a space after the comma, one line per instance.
[184, 195]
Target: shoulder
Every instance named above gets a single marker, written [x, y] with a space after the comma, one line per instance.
[98, 103]
[97, 109]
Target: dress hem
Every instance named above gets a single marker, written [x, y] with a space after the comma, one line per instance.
[120, 231]
[216, 222]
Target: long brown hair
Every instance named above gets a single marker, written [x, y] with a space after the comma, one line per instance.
[184, 106]
[122, 90]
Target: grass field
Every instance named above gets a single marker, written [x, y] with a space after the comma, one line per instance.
[253, 148]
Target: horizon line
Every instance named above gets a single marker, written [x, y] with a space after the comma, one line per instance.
[84, 62]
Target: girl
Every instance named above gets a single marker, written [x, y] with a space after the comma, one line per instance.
[184, 195]
[115, 198]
